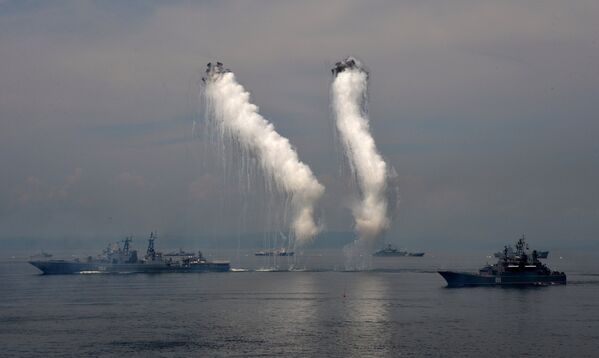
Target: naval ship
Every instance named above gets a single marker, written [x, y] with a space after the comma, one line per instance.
[392, 251]
[515, 267]
[280, 252]
[117, 259]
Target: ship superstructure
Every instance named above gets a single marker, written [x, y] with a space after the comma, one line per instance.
[509, 251]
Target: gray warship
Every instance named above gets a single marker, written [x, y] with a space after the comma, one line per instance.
[117, 259]
[516, 267]
[391, 251]
[279, 252]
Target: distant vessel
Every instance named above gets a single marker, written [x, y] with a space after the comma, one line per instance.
[42, 254]
[517, 267]
[393, 252]
[279, 252]
[416, 254]
[117, 259]
[390, 251]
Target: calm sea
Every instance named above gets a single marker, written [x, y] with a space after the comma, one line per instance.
[400, 307]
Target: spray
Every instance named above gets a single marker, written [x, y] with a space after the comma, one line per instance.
[348, 92]
[228, 107]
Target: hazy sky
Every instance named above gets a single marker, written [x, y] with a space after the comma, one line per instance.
[489, 111]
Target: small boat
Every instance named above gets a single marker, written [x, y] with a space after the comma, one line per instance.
[416, 254]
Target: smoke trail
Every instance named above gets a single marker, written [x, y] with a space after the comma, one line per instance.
[236, 118]
[349, 99]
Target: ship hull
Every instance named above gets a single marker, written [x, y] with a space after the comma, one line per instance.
[63, 267]
[389, 254]
[463, 279]
[273, 254]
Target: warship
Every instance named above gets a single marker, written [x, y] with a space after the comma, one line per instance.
[390, 251]
[515, 268]
[280, 252]
[117, 259]
[416, 254]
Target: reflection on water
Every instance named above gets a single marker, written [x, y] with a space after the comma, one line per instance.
[367, 310]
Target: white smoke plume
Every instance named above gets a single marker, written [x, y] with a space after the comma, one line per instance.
[348, 92]
[228, 105]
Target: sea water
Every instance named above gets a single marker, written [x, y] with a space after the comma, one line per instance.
[400, 307]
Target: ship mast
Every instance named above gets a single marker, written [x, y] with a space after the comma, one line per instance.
[126, 242]
[151, 253]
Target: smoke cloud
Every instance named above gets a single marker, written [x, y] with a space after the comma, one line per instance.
[349, 90]
[235, 117]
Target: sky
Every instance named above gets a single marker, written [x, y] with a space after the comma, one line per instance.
[487, 110]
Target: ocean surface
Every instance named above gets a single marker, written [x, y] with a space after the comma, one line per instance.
[399, 307]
